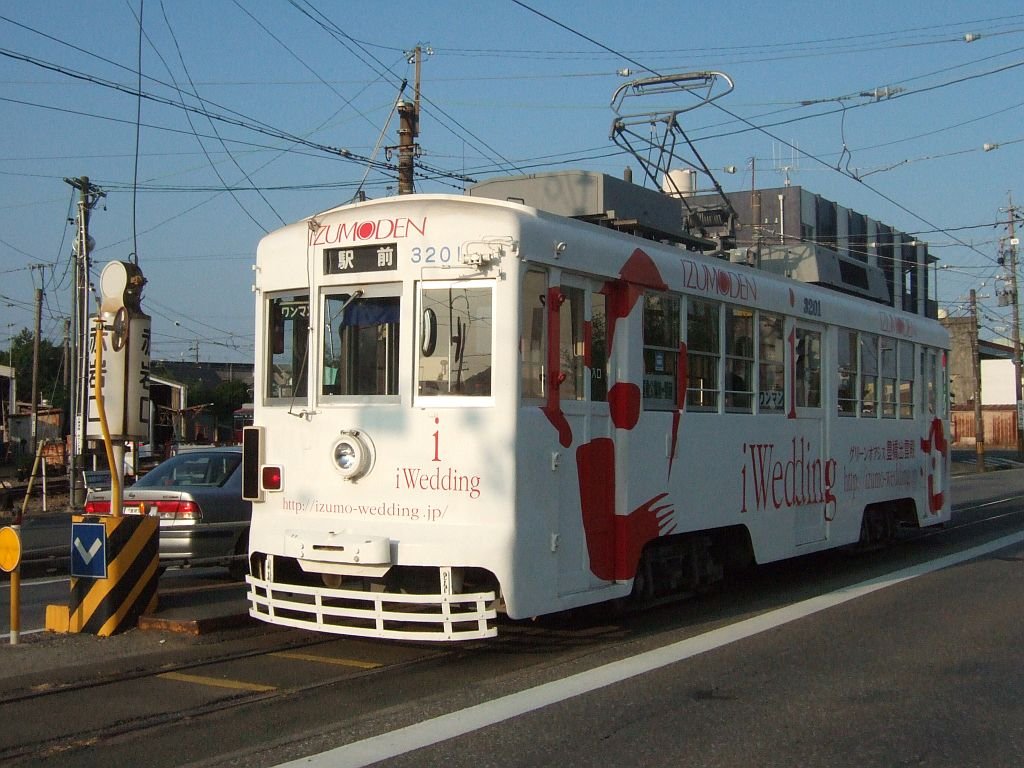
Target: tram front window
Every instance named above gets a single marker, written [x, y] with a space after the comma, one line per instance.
[454, 340]
[360, 344]
[288, 326]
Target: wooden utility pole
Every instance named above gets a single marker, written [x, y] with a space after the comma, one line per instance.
[408, 130]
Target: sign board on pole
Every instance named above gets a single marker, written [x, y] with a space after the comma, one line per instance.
[10, 549]
[124, 378]
[88, 550]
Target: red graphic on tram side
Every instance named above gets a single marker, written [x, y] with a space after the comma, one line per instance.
[936, 440]
[614, 542]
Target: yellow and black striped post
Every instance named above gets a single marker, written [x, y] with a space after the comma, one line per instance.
[103, 606]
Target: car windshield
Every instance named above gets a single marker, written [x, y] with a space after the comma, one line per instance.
[211, 469]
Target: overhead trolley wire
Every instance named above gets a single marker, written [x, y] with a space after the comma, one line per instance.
[347, 41]
[766, 132]
[213, 127]
[240, 122]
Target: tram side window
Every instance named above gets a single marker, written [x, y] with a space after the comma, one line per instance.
[570, 346]
[868, 374]
[532, 336]
[772, 364]
[702, 346]
[455, 340]
[288, 341]
[906, 371]
[928, 373]
[739, 359]
[808, 368]
[942, 372]
[847, 380]
[661, 351]
[888, 349]
[598, 348]
[360, 345]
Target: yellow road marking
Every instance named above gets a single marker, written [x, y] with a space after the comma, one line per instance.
[217, 682]
[326, 659]
[190, 588]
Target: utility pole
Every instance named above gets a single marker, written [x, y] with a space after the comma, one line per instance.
[408, 130]
[1011, 224]
[35, 370]
[979, 422]
[755, 212]
[67, 355]
[88, 196]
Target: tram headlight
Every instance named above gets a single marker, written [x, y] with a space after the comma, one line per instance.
[352, 454]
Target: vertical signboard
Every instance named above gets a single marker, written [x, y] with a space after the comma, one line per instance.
[124, 375]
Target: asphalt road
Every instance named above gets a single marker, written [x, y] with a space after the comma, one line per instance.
[40, 589]
[877, 659]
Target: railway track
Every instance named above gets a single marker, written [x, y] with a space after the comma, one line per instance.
[544, 642]
[103, 688]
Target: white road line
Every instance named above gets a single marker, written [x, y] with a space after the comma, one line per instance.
[41, 581]
[430, 732]
[22, 633]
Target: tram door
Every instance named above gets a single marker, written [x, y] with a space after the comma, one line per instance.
[582, 361]
[807, 409]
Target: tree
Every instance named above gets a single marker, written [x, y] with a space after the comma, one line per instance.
[51, 369]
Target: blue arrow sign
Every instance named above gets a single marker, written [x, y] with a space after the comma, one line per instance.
[89, 550]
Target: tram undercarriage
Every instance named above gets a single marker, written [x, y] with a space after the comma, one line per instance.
[688, 564]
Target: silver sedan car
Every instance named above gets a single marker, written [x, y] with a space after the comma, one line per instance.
[197, 495]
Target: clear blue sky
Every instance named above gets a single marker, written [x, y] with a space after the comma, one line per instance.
[505, 90]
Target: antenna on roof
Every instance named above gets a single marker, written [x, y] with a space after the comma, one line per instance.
[781, 166]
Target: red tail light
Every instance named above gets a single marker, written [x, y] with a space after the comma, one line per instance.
[270, 477]
[178, 510]
[166, 510]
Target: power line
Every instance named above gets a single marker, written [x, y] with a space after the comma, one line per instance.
[138, 136]
[347, 41]
[768, 133]
[213, 166]
[241, 122]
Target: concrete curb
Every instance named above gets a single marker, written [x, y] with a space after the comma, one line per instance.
[193, 626]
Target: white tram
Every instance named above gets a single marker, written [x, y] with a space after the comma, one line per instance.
[468, 406]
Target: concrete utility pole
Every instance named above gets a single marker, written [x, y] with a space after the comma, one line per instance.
[88, 196]
[67, 355]
[755, 212]
[979, 422]
[35, 371]
[1011, 225]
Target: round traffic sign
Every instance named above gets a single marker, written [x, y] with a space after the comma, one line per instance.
[10, 549]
